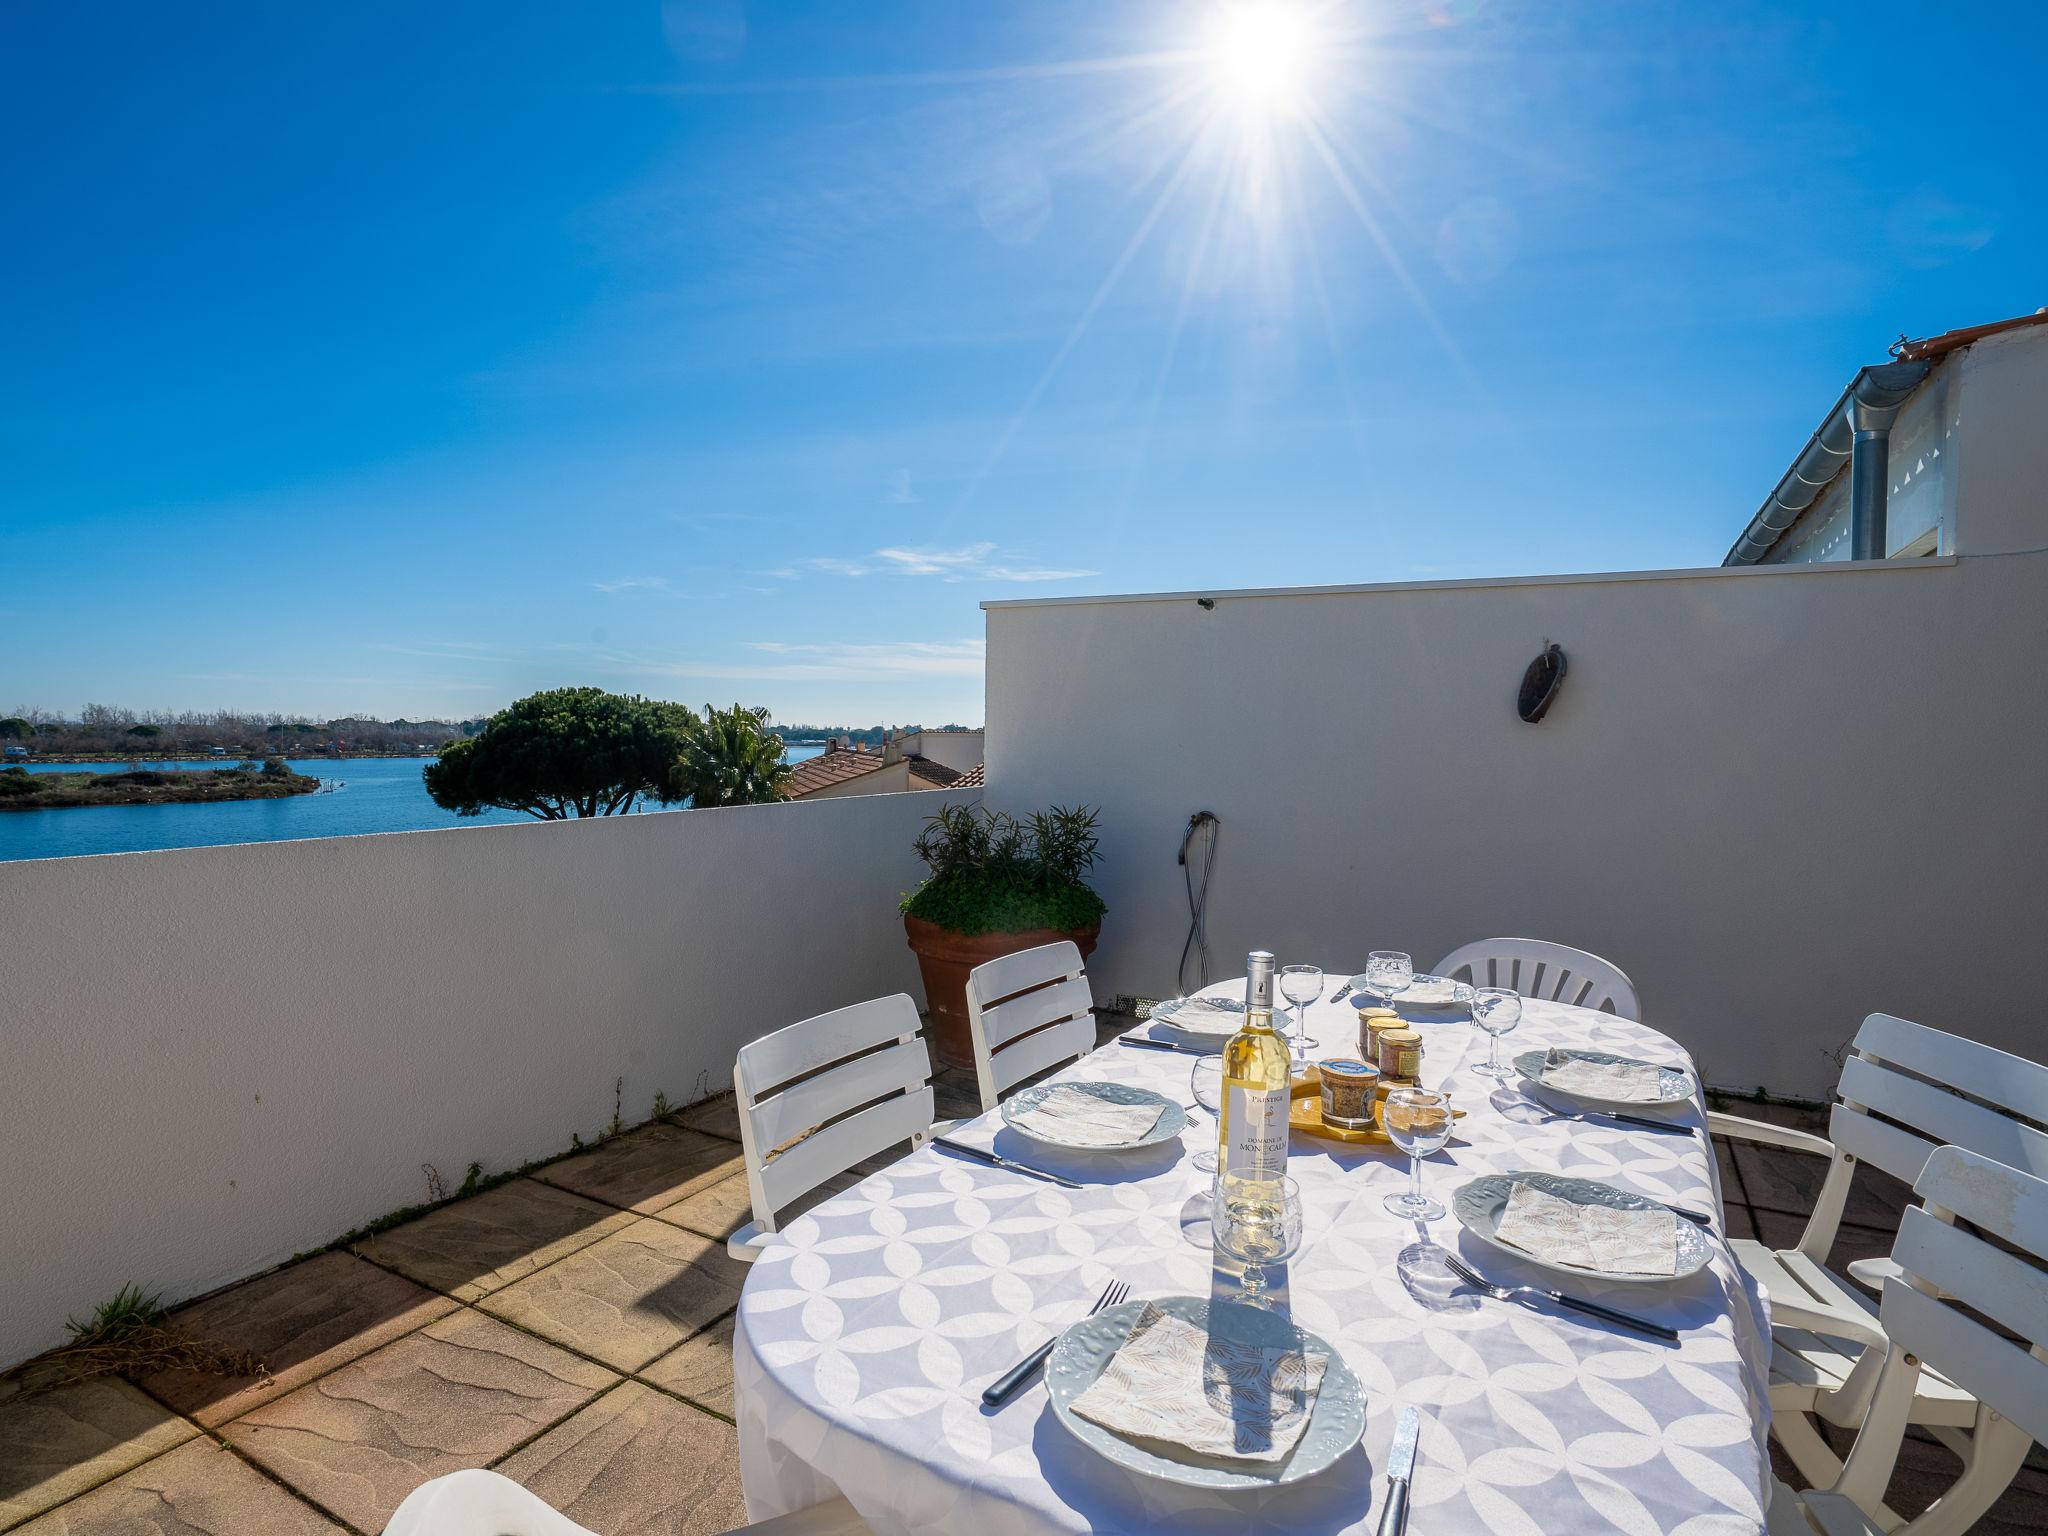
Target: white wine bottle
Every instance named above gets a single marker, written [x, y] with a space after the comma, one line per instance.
[1252, 1137]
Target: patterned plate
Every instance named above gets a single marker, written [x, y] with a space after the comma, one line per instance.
[1171, 1122]
[1423, 992]
[1479, 1204]
[1334, 1424]
[1673, 1086]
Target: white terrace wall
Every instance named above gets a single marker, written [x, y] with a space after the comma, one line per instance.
[1779, 798]
[213, 1058]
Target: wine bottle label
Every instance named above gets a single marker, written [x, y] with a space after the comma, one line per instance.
[1256, 1139]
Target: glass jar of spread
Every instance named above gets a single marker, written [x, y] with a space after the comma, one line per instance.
[1372, 1023]
[1350, 1089]
[1400, 1054]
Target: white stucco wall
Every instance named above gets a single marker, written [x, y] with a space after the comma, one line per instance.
[1779, 797]
[213, 1058]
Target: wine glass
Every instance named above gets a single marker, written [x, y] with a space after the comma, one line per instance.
[1207, 1082]
[1257, 1222]
[1418, 1121]
[1497, 1010]
[1389, 972]
[1301, 985]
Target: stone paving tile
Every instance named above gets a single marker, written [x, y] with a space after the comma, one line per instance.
[699, 1368]
[646, 1169]
[718, 1115]
[636, 1463]
[460, 1393]
[302, 1321]
[200, 1489]
[483, 1244]
[718, 1210]
[58, 1442]
[627, 1299]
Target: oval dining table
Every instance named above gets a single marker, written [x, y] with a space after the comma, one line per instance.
[867, 1332]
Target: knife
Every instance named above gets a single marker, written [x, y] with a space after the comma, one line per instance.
[1145, 1043]
[1400, 1466]
[1002, 1162]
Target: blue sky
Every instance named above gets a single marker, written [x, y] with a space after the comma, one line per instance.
[407, 358]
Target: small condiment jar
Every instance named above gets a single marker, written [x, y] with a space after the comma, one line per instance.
[1349, 1091]
[1401, 1055]
[1372, 1023]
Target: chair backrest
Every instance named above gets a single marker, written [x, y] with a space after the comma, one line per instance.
[1916, 1079]
[817, 1097]
[1028, 1012]
[1538, 968]
[1944, 1269]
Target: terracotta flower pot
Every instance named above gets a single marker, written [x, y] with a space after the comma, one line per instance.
[945, 957]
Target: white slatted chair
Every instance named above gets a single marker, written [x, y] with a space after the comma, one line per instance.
[1893, 1108]
[1028, 1012]
[1939, 1262]
[480, 1503]
[848, 1083]
[1538, 968]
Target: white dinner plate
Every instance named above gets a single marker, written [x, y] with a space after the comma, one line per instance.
[1673, 1085]
[1479, 1205]
[1080, 1354]
[1171, 1122]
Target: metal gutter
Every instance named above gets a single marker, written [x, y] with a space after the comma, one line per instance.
[1856, 427]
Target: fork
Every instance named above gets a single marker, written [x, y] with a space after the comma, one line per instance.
[1591, 1308]
[1006, 1386]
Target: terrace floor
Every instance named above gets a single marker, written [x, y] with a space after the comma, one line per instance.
[571, 1328]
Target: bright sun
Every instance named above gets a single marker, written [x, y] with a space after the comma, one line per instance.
[1262, 55]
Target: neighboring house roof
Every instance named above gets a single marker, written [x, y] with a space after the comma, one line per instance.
[936, 775]
[973, 778]
[835, 766]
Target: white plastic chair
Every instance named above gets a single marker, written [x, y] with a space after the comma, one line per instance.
[1828, 1342]
[817, 1097]
[479, 1503]
[1028, 1012]
[1939, 1262]
[1538, 968]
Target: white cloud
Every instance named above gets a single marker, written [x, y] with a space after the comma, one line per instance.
[633, 583]
[970, 562]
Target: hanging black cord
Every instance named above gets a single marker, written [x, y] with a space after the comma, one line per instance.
[1198, 844]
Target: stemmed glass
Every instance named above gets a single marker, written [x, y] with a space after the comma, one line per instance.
[1418, 1121]
[1388, 973]
[1257, 1222]
[1301, 985]
[1207, 1082]
[1497, 1010]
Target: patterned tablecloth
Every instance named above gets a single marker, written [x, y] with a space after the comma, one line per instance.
[865, 1338]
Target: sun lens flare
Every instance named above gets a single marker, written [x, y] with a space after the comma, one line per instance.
[1261, 56]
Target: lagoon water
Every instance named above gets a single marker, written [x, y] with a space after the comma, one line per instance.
[362, 794]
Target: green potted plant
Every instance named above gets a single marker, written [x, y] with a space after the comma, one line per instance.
[997, 885]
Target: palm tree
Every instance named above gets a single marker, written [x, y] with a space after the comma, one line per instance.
[731, 759]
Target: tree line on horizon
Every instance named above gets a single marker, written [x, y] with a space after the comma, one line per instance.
[109, 730]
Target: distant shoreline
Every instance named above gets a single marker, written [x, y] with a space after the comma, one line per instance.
[188, 786]
[228, 761]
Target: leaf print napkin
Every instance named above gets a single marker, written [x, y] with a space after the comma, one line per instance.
[1590, 1236]
[1183, 1388]
[1623, 1082]
[1071, 1114]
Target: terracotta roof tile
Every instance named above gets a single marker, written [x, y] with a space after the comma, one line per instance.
[937, 775]
[971, 779]
[834, 766]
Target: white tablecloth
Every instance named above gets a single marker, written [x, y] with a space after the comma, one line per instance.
[866, 1337]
